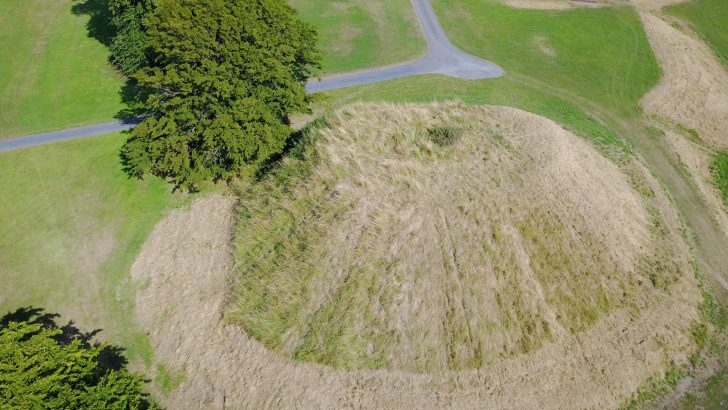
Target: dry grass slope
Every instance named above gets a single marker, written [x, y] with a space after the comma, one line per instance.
[391, 251]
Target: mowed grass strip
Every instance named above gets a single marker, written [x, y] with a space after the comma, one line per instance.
[358, 34]
[600, 54]
[71, 224]
[52, 74]
[709, 18]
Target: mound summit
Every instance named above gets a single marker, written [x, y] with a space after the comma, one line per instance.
[447, 237]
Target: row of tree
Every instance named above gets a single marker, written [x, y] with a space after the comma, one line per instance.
[217, 80]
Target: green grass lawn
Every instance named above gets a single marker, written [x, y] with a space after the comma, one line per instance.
[600, 54]
[52, 74]
[709, 18]
[71, 224]
[357, 34]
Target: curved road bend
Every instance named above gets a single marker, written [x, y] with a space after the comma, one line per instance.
[442, 58]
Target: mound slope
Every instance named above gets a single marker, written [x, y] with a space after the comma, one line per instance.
[446, 237]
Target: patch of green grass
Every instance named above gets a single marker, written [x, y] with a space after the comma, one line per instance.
[52, 74]
[71, 224]
[600, 54]
[709, 18]
[444, 135]
[167, 381]
[719, 169]
[357, 34]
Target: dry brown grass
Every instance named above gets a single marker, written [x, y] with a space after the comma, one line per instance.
[556, 4]
[450, 245]
[693, 91]
[652, 5]
[397, 253]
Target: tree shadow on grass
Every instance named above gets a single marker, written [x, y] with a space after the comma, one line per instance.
[112, 357]
[133, 97]
[99, 24]
[99, 27]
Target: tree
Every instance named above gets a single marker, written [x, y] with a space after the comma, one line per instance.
[129, 43]
[39, 370]
[225, 76]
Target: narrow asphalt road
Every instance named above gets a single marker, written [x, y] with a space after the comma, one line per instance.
[442, 58]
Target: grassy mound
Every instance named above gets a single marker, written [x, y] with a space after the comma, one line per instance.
[443, 237]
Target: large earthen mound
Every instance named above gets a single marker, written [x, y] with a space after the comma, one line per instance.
[593, 356]
[446, 237]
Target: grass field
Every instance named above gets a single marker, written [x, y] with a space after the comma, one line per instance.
[357, 34]
[71, 223]
[52, 74]
[709, 18]
[600, 54]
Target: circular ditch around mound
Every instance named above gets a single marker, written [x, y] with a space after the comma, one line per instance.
[430, 238]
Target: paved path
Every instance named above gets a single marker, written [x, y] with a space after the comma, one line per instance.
[69, 134]
[442, 58]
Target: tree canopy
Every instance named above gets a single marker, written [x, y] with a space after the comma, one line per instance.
[224, 76]
[39, 370]
[129, 43]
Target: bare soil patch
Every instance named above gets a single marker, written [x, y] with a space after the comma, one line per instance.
[185, 266]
